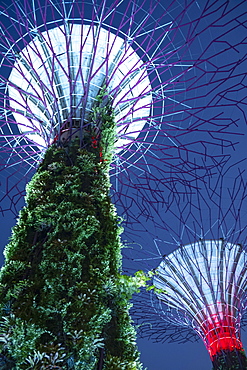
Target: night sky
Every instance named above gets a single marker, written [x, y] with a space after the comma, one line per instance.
[143, 230]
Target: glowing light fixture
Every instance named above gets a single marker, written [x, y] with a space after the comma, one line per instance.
[206, 283]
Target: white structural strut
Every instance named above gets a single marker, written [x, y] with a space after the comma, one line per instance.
[206, 282]
[58, 75]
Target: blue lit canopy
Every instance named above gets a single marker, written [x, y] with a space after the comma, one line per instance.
[205, 282]
[58, 75]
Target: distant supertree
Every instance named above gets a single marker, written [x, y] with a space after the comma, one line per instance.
[201, 276]
[90, 89]
[206, 283]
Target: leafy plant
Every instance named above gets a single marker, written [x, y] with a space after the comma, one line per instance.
[64, 300]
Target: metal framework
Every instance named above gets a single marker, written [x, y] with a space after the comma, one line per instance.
[46, 107]
[206, 283]
[199, 245]
[169, 87]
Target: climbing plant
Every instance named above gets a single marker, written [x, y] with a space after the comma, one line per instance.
[64, 301]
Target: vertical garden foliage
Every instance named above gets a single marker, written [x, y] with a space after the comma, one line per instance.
[64, 304]
[230, 360]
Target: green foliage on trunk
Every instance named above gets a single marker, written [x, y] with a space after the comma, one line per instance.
[64, 303]
[230, 360]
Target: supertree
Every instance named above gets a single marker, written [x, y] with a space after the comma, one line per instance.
[83, 82]
[201, 279]
[206, 283]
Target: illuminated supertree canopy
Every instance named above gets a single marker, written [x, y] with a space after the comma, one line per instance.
[197, 261]
[206, 283]
[139, 96]
[168, 73]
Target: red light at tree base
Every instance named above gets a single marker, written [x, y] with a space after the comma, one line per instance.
[220, 335]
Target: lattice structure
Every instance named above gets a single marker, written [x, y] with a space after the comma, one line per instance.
[200, 243]
[170, 89]
[48, 109]
[206, 283]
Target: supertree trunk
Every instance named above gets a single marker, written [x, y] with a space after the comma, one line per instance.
[64, 302]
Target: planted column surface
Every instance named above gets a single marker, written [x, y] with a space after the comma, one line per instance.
[230, 360]
[62, 298]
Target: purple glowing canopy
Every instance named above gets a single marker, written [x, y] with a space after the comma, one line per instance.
[56, 79]
[198, 248]
[205, 281]
[167, 71]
